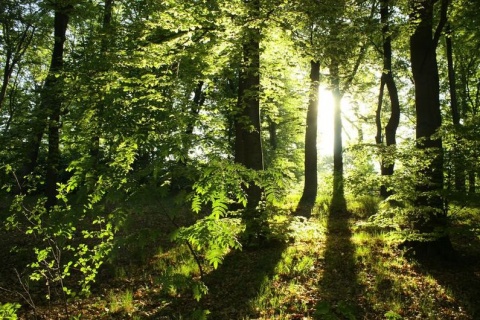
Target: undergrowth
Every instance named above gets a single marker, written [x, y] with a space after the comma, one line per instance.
[325, 267]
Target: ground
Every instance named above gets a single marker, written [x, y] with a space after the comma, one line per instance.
[331, 266]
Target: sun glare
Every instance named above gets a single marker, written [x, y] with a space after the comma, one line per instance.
[325, 122]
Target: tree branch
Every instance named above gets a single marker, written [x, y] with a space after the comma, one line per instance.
[441, 23]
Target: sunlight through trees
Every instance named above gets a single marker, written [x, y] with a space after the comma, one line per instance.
[153, 150]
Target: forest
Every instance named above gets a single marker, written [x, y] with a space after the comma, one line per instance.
[240, 159]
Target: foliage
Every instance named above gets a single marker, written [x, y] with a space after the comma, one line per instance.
[61, 248]
[221, 186]
[392, 315]
[8, 311]
[75, 237]
[212, 236]
[361, 178]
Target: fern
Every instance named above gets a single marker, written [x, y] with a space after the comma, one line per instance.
[212, 237]
[219, 205]
[196, 203]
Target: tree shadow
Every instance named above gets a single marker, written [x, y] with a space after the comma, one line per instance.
[459, 277]
[305, 208]
[239, 280]
[339, 287]
[14, 254]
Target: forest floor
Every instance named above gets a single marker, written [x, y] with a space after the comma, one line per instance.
[331, 266]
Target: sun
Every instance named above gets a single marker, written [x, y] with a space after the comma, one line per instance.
[325, 122]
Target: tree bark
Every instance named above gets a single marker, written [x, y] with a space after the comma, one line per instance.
[387, 79]
[248, 142]
[337, 119]
[99, 108]
[52, 102]
[431, 218]
[272, 130]
[458, 158]
[311, 184]
[338, 204]
[47, 113]
[472, 179]
[427, 104]
[248, 146]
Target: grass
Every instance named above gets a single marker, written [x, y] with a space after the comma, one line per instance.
[327, 267]
[121, 302]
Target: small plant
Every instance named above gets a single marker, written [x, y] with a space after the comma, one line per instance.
[8, 311]
[121, 302]
[392, 315]
[364, 206]
[304, 230]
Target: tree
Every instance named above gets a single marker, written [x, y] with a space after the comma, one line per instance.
[330, 27]
[17, 33]
[310, 184]
[387, 78]
[248, 141]
[52, 102]
[343, 64]
[100, 105]
[432, 218]
[461, 49]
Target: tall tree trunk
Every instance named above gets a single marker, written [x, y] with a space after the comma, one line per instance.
[248, 146]
[47, 113]
[338, 204]
[467, 106]
[387, 167]
[337, 120]
[472, 179]
[272, 134]
[99, 108]
[7, 73]
[451, 76]
[458, 159]
[311, 184]
[431, 218]
[180, 179]
[52, 102]
[248, 142]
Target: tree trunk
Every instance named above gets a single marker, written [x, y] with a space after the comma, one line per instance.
[431, 218]
[7, 73]
[47, 113]
[52, 102]
[248, 146]
[337, 120]
[387, 79]
[458, 159]
[99, 108]
[472, 179]
[311, 184]
[248, 142]
[272, 130]
[180, 179]
[338, 204]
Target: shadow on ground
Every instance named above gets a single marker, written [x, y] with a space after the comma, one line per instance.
[239, 279]
[338, 287]
[460, 277]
